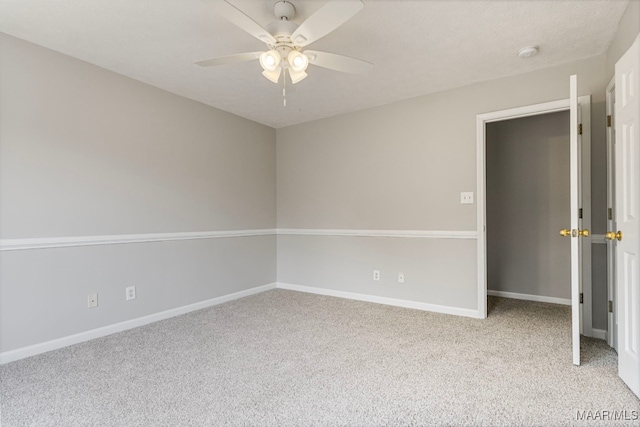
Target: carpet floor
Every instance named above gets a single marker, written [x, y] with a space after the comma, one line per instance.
[284, 358]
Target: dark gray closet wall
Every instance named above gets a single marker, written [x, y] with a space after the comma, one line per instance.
[527, 203]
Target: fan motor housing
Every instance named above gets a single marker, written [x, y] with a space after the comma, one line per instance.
[284, 11]
[282, 28]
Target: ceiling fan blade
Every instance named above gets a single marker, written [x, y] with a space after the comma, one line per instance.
[325, 20]
[240, 19]
[342, 63]
[231, 59]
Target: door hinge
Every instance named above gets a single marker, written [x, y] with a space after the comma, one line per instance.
[610, 214]
[580, 213]
[609, 121]
[580, 129]
[610, 306]
[581, 298]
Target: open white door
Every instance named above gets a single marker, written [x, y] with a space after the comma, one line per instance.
[612, 324]
[574, 233]
[627, 148]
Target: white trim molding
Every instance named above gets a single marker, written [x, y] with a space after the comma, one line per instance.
[527, 297]
[32, 350]
[423, 234]
[119, 239]
[62, 242]
[600, 334]
[466, 312]
[599, 239]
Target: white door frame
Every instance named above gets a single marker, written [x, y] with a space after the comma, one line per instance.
[526, 111]
[612, 325]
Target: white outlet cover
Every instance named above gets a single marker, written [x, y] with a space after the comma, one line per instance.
[466, 197]
[376, 275]
[130, 293]
[401, 278]
[92, 300]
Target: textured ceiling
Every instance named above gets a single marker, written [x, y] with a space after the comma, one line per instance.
[417, 46]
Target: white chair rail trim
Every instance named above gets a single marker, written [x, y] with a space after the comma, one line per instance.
[62, 242]
[424, 234]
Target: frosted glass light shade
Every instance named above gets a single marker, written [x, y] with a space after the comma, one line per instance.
[296, 76]
[270, 60]
[298, 62]
[273, 75]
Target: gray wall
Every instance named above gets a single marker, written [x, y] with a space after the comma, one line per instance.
[86, 152]
[599, 286]
[527, 203]
[346, 264]
[97, 153]
[400, 166]
[628, 30]
[599, 216]
[599, 169]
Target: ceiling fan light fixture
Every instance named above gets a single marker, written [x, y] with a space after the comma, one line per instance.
[273, 75]
[270, 60]
[285, 39]
[297, 76]
[298, 62]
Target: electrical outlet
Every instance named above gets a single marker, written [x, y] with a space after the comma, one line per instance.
[92, 300]
[400, 277]
[130, 293]
[466, 198]
[376, 275]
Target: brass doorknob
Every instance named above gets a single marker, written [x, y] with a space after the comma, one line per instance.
[583, 233]
[565, 233]
[612, 235]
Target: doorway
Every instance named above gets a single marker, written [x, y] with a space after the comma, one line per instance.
[580, 109]
[527, 202]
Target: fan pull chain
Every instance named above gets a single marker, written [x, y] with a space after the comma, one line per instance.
[284, 90]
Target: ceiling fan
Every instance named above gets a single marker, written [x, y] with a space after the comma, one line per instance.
[286, 41]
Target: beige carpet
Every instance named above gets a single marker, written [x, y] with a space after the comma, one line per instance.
[285, 358]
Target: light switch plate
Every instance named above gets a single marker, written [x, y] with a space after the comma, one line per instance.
[466, 198]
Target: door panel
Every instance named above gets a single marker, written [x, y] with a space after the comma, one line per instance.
[612, 324]
[630, 295]
[627, 147]
[576, 262]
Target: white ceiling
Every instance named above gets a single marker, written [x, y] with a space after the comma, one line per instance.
[417, 46]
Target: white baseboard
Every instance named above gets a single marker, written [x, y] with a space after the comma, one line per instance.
[383, 300]
[527, 297]
[32, 350]
[600, 334]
